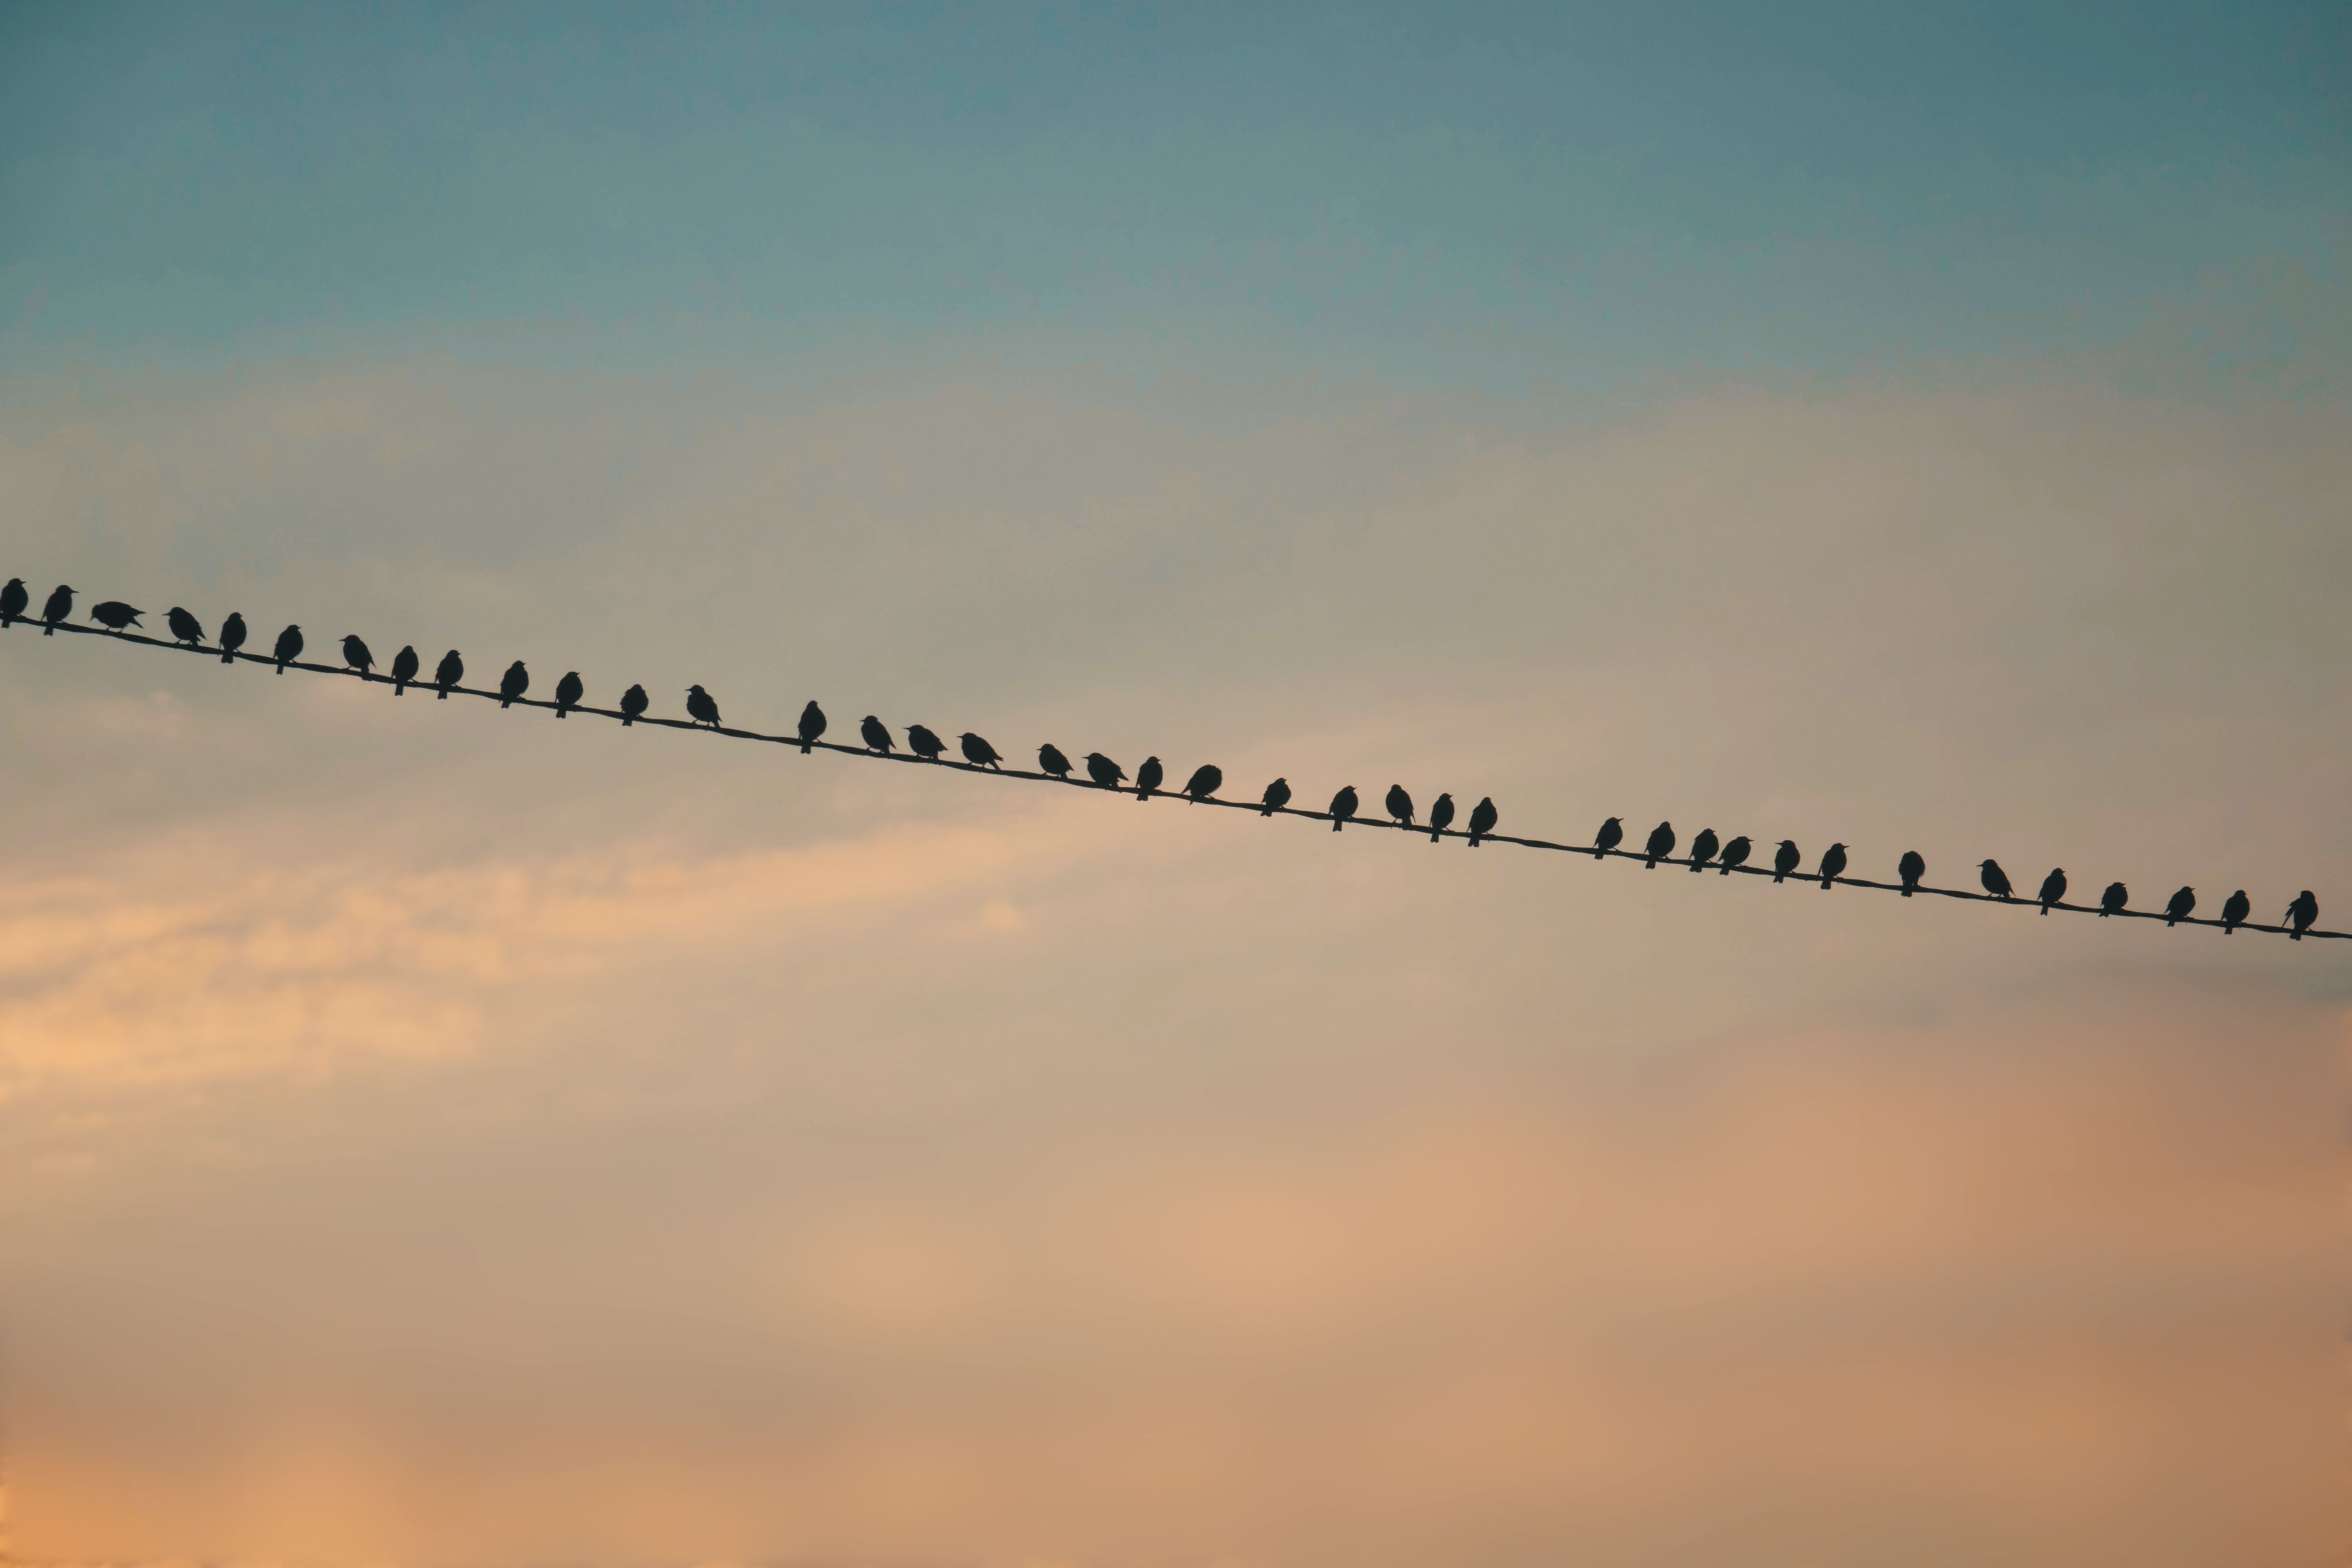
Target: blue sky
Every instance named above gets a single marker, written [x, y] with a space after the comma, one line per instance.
[1430, 197]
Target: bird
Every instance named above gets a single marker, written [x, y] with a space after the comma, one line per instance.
[13, 600]
[184, 626]
[1343, 807]
[1050, 758]
[1400, 806]
[356, 655]
[115, 615]
[289, 646]
[1911, 868]
[568, 692]
[1147, 778]
[1611, 834]
[875, 734]
[59, 607]
[701, 706]
[976, 751]
[2234, 911]
[1995, 880]
[2180, 906]
[1703, 848]
[1204, 782]
[513, 683]
[2301, 913]
[925, 744]
[1734, 854]
[1662, 842]
[2053, 888]
[1440, 817]
[634, 702]
[1105, 774]
[1833, 864]
[232, 637]
[1482, 819]
[812, 725]
[1785, 859]
[1276, 796]
[2114, 899]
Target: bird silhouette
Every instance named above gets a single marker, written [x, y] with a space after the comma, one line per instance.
[1343, 807]
[1400, 806]
[976, 751]
[356, 655]
[1204, 782]
[634, 702]
[1147, 778]
[875, 734]
[701, 706]
[2114, 899]
[13, 600]
[1050, 759]
[1911, 868]
[184, 626]
[59, 607]
[1662, 842]
[1833, 864]
[812, 725]
[2054, 889]
[1703, 848]
[2301, 913]
[1440, 817]
[513, 683]
[925, 744]
[1734, 854]
[1276, 796]
[2180, 906]
[2234, 911]
[1785, 859]
[232, 637]
[115, 615]
[1611, 834]
[1995, 880]
[1105, 774]
[568, 693]
[1482, 819]
[289, 648]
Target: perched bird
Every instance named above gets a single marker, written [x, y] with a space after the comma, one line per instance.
[875, 734]
[514, 683]
[232, 637]
[925, 744]
[634, 702]
[1611, 834]
[2181, 906]
[2301, 913]
[976, 751]
[59, 607]
[1050, 759]
[1147, 777]
[1276, 796]
[1736, 854]
[2234, 911]
[2114, 899]
[1833, 864]
[700, 706]
[1440, 817]
[184, 626]
[1204, 782]
[1343, 807]
[568, 693]
[289, 648]
[13, 600]
[1105, 774]
[812, 725]
[356, 655]
[1995, 880]
[1400, 806]
[1662, 842]
[1703, 848]
[115, 615]
[1785, 859]
[1911, 868]
[1482, 819]
[2054, 889]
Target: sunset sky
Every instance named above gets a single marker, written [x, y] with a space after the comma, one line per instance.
[431, 1134]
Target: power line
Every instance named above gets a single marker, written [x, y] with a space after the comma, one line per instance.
[796, 740]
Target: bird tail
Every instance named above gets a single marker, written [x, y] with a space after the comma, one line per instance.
[281, 666]
[1474, 841]
[2045, 911]
[627, 720]
[1435, 833]
[1724, 872]
[805, 747]
[441, 693]
[1780, 876]
[505, 703]
[49, 628]
[1337, 823]
[1651, 864]
[400, 688]
[1143, 794]
[1826, 880]
[228, 656]
[563, 712]
[1907, 890]
[1695, 865]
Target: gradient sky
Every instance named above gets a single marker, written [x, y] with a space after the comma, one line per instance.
[433, 1135]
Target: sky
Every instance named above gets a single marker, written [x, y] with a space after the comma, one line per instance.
[436, 1134]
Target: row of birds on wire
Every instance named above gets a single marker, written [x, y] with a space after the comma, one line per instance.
[1706, 850]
